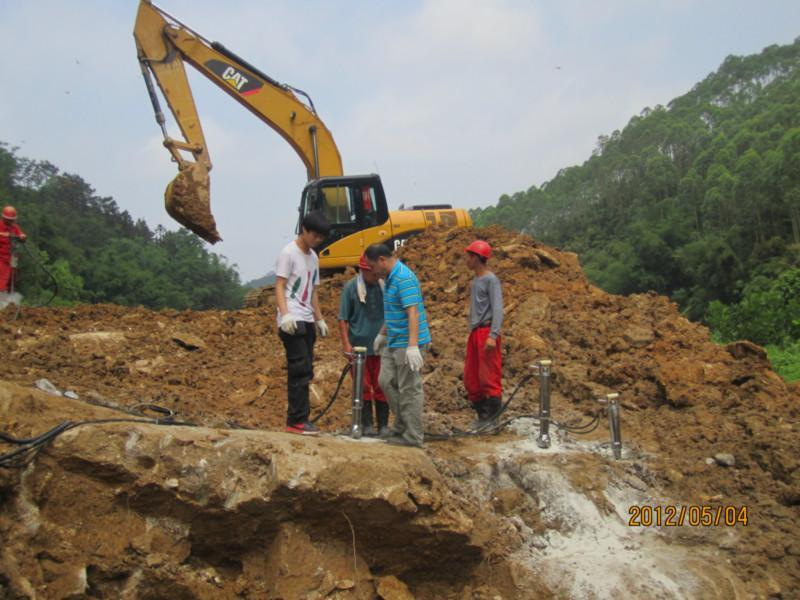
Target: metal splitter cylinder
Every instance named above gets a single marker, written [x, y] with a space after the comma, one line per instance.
[359, 358]
[543, 368]
[612, 400]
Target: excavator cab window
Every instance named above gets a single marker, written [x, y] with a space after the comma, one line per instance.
[349, 206]
[338, 206]
[367, 193]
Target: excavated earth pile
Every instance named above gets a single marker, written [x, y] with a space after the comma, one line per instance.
[232, 507]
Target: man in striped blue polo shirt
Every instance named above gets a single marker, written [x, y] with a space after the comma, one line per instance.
[405, 331]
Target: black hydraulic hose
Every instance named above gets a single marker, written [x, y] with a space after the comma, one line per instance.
[587, 427]
[495, 427]
[169, 421]
[138, 409]
[489, 427]
[142, 406]
[19, 457]
[38, 263]
[28, 446]
[34, 440]
[252, 68]
[345, 371]
[582, 429]
[492, 426]
[503, 408]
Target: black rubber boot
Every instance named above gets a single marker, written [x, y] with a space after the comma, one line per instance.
[481, 408]
[493, 406]
[366, 418]
[382, 410]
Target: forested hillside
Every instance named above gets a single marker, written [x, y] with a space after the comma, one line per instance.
[699, 199]
[98, 253]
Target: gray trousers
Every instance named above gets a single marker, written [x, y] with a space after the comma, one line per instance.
[403, 389]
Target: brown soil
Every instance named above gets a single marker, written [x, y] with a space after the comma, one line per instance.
[685, 399]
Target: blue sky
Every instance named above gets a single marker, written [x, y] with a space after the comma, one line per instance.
[449, 100]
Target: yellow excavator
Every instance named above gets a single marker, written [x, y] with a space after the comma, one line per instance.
[354, 205]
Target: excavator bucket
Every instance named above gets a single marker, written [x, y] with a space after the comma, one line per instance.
[188, 201]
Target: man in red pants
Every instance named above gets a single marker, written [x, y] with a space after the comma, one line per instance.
[483, 365]
[360, 321]
[8, 230]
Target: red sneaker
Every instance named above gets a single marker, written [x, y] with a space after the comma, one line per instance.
[303, 429]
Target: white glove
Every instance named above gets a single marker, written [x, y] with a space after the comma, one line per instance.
[322, 328]
[288, 324]
[379, 343]
[414, 358]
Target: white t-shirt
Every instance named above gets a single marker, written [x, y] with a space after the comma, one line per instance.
[301, 271]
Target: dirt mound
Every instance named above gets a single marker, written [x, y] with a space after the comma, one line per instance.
[685, 399]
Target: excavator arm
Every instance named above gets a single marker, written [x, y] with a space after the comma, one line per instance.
[163, 45]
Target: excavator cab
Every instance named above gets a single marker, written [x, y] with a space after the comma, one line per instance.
[351, 205]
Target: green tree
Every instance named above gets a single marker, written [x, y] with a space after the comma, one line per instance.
[96, 252]
[691, 199]
[769, 311]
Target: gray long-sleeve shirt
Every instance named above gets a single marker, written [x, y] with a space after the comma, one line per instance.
[486, 303]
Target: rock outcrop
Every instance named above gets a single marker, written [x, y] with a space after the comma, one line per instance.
[136, 510]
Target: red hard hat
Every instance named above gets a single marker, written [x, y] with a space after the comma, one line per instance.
[363, 264]
[480, 247]
[9, 212]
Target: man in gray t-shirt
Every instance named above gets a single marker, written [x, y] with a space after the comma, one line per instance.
[483, 368]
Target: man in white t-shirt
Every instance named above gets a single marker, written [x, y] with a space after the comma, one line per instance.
[299, 316]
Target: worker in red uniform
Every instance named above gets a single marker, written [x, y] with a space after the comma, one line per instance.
[8, 230]
[483, 364]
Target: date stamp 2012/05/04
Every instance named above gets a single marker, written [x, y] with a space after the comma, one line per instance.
[695, 515]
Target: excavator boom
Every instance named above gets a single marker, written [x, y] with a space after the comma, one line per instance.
[163, 45]
[354, 205]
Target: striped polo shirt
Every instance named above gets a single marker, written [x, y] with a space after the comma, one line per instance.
[402, 291]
